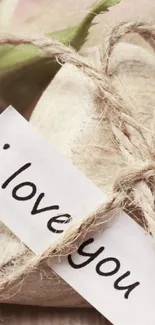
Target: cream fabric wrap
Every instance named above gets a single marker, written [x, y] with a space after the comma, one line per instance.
[68, 116]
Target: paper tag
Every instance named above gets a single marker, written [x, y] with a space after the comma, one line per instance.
[115, 269]
[41, 192]
[115, 272]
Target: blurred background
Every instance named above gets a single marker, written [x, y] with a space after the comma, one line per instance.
[43, 16]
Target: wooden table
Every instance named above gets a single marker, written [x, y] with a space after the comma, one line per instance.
[25, 315]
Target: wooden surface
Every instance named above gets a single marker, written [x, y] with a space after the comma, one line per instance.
[18, 315]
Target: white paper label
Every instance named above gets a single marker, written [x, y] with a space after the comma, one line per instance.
[115, 269]
[41, 192]
[116, 274]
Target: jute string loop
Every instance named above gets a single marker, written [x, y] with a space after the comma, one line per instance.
[145, 30]
[136, 184]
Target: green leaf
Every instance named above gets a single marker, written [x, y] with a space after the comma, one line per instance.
[77, 35]
[25, 70]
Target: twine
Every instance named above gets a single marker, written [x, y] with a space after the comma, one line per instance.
[136, 145]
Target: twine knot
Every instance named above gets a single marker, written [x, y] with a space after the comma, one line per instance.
[128, 179]
[134, 190]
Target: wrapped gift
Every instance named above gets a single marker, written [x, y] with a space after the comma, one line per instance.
[72, 115]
